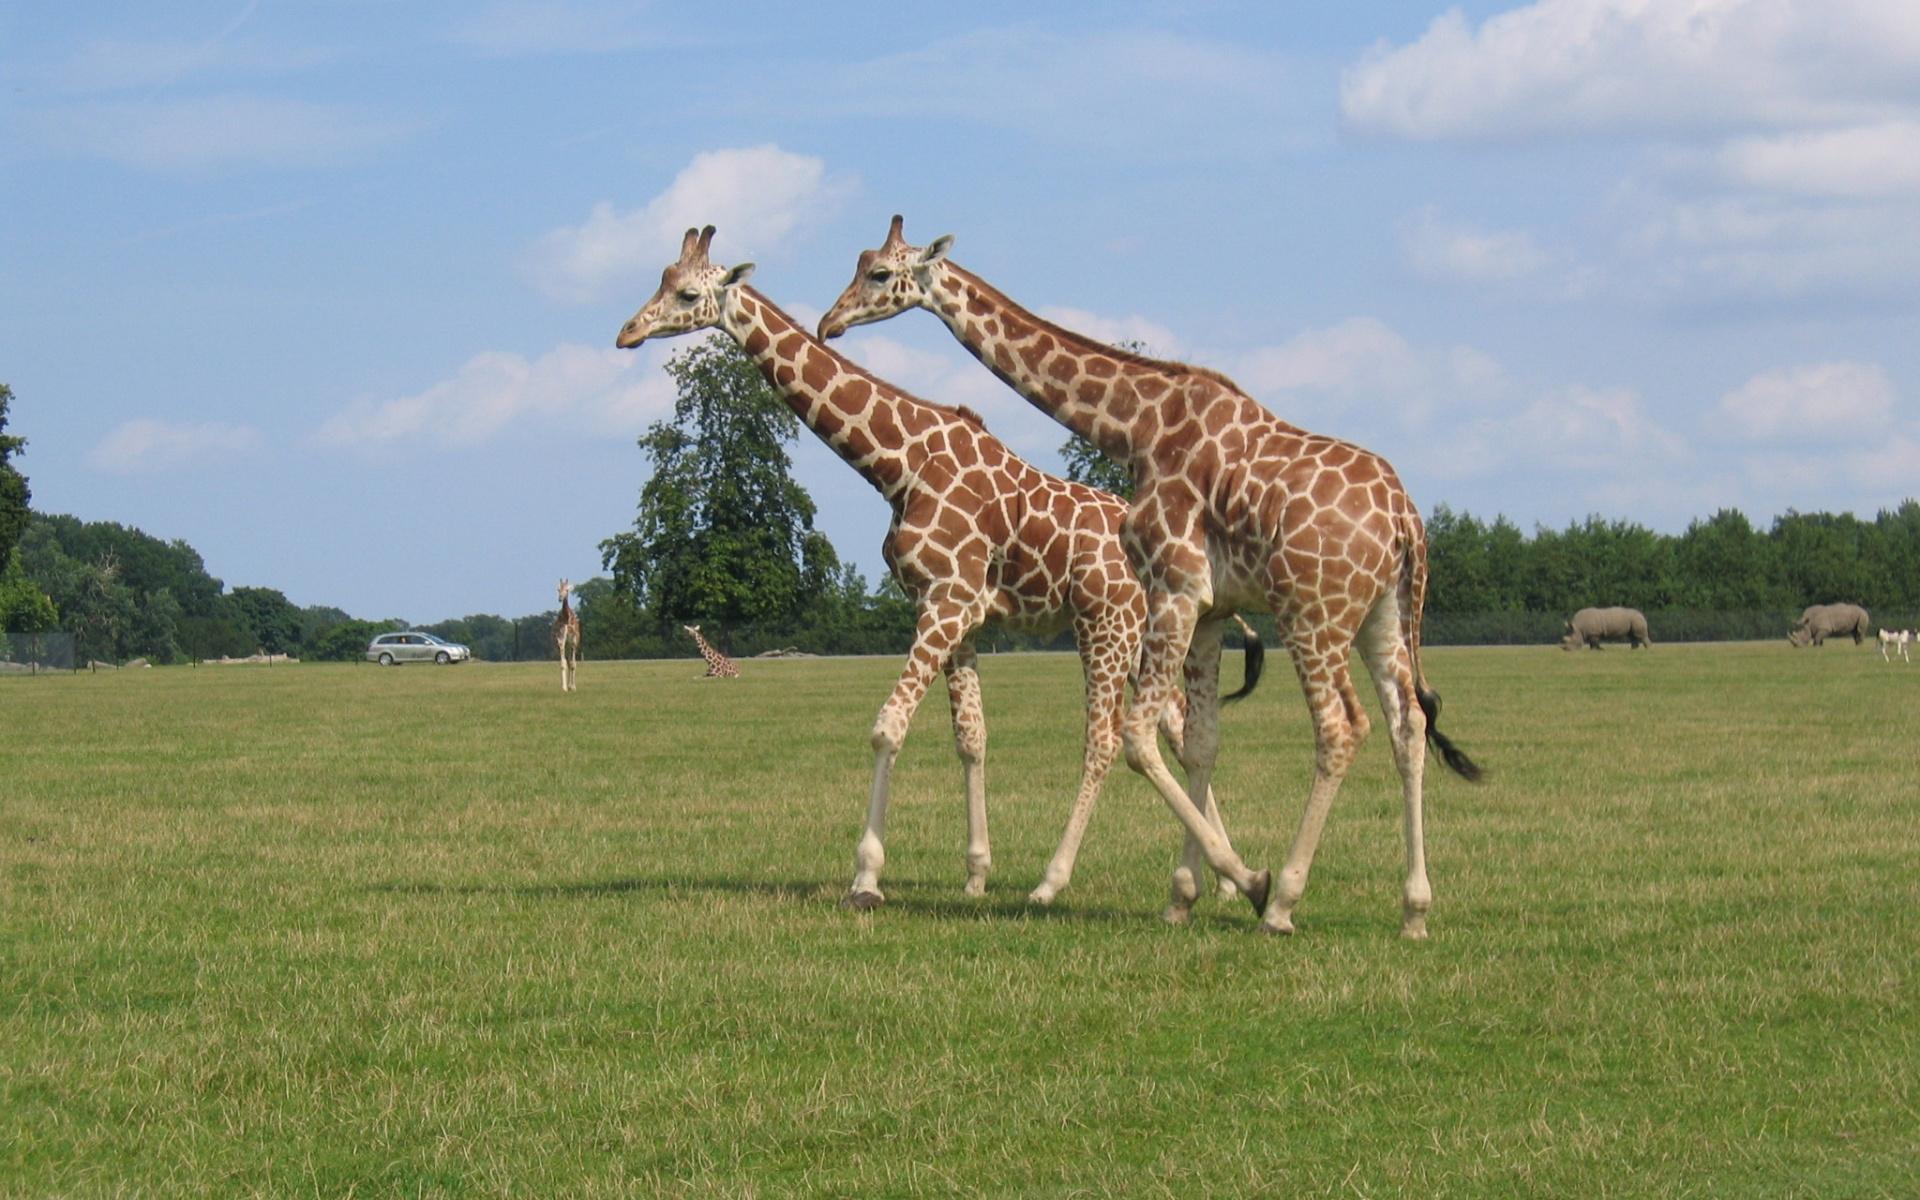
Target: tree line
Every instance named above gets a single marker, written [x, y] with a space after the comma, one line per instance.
[723, 537]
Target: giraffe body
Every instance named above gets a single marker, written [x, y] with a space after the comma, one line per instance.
[1233, 507]
[566, 638]
[977, 534]
[719, 666]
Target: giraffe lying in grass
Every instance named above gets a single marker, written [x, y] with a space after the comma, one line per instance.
[977, 535]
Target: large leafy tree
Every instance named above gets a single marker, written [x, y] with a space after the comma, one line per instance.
[723, 534]
[14, 493]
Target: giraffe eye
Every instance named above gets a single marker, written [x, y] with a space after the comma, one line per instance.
[689, 295]
[880, 274]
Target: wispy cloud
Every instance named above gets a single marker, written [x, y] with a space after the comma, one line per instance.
[1611, 66]
[575, 388]
[1825, 402]
[148, 445]
[755, 196]
[1442, 249]
[210, 132]
[508, 28]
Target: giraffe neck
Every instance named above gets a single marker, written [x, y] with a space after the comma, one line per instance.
[858, 416]
[1090, 387]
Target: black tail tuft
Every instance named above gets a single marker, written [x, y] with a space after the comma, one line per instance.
[1455, 758]
[1256, 662]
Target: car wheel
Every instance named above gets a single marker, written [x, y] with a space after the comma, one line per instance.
[442, 658]
[386, 660]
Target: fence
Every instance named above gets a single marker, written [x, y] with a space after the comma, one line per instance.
[30, 653]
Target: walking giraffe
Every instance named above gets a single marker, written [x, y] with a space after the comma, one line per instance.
[1233, 508]
[719, 666]
[977, 535]
[566, 638]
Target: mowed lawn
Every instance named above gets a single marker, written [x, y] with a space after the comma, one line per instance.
[339, 930]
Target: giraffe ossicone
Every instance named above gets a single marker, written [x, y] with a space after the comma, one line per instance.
[977, 534]
[1233, 508]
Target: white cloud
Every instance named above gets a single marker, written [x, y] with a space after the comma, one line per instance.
[1595, 66]
[575, 388]
[1826, 402]
[1158, 340]
[145, 445]
[1358, 354]
[1443, 250]
[755, 196]
[1864, 161]
[208, 132]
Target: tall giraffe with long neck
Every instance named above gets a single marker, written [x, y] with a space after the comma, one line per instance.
[977, 535]
[1232, 508]
[719, 666]
[566, 638]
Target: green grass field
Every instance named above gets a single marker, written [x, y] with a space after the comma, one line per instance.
[338, 930]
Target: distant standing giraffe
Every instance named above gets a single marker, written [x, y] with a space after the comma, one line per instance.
[977, 535]
[719, 666]
[566, 638]
[1233, 508]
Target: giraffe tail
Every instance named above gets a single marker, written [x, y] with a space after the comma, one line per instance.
[1256, 652]
[1413, 596]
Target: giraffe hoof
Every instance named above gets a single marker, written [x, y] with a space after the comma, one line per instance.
[1227, 890]
[1175, 914]
[1281, 928]
[1257, 894]
[863, 901]
[1042, 895]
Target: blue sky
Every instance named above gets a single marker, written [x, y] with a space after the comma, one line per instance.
[330, 291]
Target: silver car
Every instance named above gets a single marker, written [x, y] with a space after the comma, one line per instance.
[390, 649]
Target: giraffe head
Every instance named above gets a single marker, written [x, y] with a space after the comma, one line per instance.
[566, 587]
[887, 281]
[692, 294]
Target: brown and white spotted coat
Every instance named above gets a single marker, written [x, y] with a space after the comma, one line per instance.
[1233, 508]
[719, 666]
[977, 535]
[566, 638]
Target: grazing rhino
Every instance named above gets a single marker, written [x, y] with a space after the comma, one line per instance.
[1591, 626]
[1822, 621]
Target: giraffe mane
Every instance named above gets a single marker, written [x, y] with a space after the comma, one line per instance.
[1166, 366]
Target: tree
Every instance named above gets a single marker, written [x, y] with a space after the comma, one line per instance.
[14, 493]
[266, 614]
[1087, 464]
[24, 608]
[723, 534]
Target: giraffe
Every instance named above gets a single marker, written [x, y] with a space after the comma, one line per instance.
[1233, 508]
[566, 638]
[977, 534]
[719, 666]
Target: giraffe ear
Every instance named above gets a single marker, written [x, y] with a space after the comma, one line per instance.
[937, 248]
[738, 275]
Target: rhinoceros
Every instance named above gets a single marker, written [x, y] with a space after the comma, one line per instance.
[1591, 626]
[1822, 621]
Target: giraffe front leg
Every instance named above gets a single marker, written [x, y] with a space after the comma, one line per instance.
[1105, 651]
[970, 741]
[1339, 726]
[1169, 632]
[1198, 749]
[933, 643]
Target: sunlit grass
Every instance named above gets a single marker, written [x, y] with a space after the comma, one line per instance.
[449, 932]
